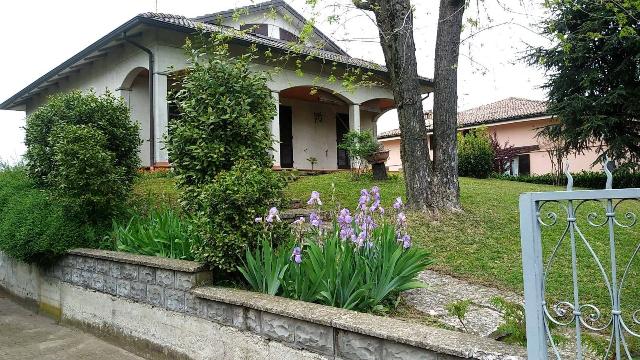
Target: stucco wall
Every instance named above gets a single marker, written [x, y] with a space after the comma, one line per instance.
[517, 134]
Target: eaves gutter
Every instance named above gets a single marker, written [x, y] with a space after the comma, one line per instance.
[117, 33]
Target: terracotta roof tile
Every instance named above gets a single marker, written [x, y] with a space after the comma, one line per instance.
[504, 110]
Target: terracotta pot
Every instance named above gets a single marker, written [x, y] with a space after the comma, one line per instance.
[378, 157]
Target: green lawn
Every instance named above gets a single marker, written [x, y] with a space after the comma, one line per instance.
[482, 243]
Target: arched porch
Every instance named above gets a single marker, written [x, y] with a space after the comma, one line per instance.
[311, 122]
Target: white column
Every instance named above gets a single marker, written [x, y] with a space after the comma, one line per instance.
[374, 126]
[354, 117]
[161, 117]
[275, 130]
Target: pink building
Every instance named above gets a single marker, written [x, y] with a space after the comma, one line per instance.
[514, 121]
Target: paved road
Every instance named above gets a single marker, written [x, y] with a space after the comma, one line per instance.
[25, 335]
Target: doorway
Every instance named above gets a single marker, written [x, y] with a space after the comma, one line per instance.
[342, 128]
[286, 137]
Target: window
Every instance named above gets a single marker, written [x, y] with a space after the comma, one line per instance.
[432, 144]
[524, 164]
[258, 29]
[287, 36]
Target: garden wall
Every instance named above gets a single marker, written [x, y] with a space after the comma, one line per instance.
[165, 308]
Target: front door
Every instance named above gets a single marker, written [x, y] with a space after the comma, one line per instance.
[342, 128]
[286, 137]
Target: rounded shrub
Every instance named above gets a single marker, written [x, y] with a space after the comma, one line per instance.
[84, 148]
[230, 206]
[34, 224]
[475, 154]
[225, 113]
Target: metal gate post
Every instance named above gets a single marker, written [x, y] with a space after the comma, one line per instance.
[533, 277]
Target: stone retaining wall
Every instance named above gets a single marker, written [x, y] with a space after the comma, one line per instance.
[167, 308]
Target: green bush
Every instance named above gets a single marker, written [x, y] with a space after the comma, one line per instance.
[229, 206]
[84, 148]
[219, 147]
[34, 224]
[585, 179]
[475, 154]
[161, 233]
[359, 146]
[225, 111]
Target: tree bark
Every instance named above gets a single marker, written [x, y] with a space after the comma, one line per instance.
[394, 19]
[444, 181]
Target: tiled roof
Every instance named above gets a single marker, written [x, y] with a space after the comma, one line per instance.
[500, 111]
[504, 110]
[184, 22]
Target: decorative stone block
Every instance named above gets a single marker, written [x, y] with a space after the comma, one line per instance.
[165, 278]
[66, 274]
[218, 312]
[86, 278]
[395, 351]
[123, 288]
[147, 275]
[237, 314]
[138, 291]
[194, 305]
[110, 285]
[278, 327]
[129, 272]
[87, 264]
[175, 300]
[352, 346]
[69, 261]
[75, 276]
[155, 295]
[97, 282]
[116, 270]
[102, 267]
[252, 318]
[185, 281]
[313, 336]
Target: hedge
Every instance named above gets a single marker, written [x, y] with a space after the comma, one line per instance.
[584, 179]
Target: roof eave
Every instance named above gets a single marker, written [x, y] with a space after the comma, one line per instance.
[10, 103]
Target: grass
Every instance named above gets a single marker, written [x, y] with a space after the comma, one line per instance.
[482, 243]
[154, 191]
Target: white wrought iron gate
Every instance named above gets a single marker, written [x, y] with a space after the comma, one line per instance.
[579, 216]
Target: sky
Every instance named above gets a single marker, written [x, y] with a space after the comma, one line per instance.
[39, 35]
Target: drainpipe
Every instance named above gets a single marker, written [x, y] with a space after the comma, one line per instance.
[152, 132]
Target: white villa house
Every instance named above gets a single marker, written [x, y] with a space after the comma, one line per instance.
[136, 59]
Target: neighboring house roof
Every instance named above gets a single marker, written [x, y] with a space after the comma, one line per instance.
[187, 25]
[500, 111]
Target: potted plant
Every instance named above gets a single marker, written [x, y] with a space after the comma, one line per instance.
[363, 149]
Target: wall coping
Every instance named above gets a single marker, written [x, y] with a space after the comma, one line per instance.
[418, 335]
[151, 261]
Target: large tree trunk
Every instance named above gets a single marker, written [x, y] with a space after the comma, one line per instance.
[395, 24]
[444, 180]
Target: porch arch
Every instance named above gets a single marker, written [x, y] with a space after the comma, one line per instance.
[135, 91]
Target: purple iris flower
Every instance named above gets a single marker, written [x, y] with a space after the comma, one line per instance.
[300, 221]
[315, 220]
[296, 255]
[344, 217]
[398, 203]
[273, 215]
[258, 220]
[402, 219]
[406, 241]
[314, 199]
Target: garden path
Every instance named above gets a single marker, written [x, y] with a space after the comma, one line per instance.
[26, 335]
[482, 317]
